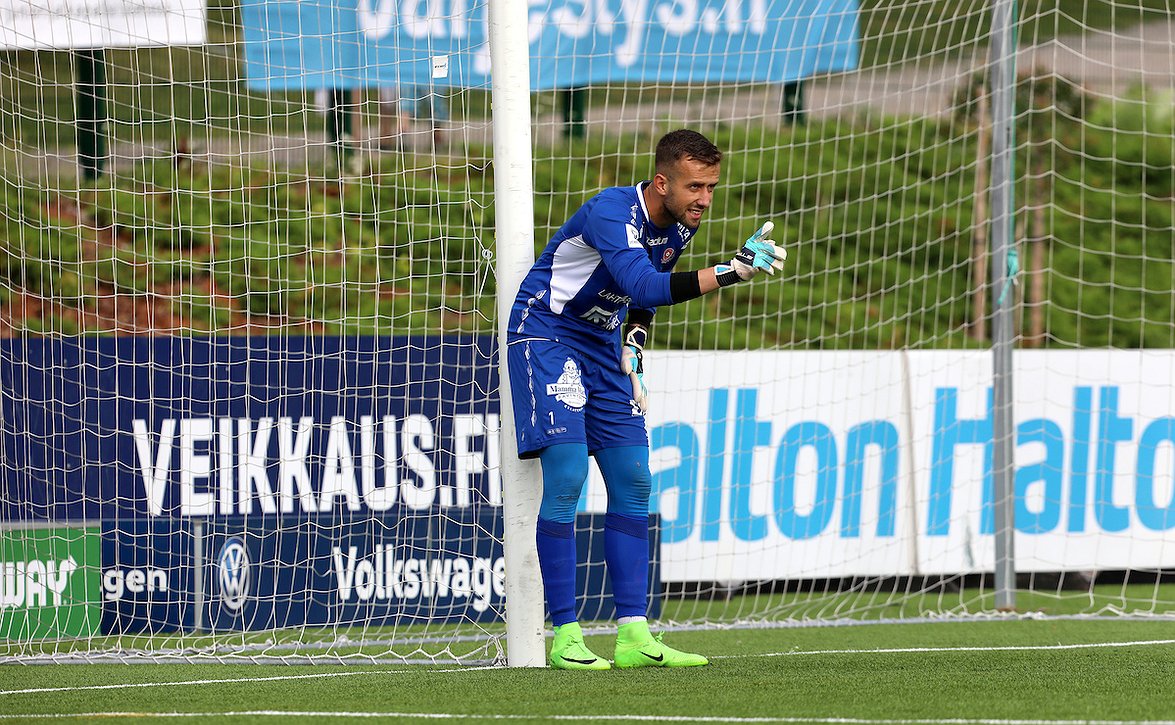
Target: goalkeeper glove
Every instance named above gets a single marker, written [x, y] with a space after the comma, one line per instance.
[759, 254]
[632, 361]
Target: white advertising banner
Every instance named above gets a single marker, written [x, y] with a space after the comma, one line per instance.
[832, 464]
[75, 24]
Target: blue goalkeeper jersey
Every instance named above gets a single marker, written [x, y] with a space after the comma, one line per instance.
[608, 256]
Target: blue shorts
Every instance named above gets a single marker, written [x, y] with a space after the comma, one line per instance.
[566, 395]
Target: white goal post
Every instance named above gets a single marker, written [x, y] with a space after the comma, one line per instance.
[514, 197]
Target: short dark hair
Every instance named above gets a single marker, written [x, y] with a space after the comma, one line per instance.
[685, 144]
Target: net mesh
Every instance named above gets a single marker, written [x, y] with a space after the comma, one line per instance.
[249, 378]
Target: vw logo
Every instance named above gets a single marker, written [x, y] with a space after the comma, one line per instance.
[234, 574]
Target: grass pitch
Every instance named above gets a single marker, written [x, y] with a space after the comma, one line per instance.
[1044, 672]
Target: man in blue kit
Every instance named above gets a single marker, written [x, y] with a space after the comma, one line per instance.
[577, 379]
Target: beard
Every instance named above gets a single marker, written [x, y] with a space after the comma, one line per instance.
[680, 215]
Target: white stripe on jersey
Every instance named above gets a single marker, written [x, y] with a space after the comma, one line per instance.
[640, 198]
[573, 264]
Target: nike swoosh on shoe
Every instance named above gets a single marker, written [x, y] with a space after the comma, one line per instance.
[658, 658]
[580, 662]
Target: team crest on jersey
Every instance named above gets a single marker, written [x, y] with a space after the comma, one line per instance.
[569, 389]
[668, 255]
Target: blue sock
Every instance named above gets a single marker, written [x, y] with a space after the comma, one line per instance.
[556, 546]
[626, 551]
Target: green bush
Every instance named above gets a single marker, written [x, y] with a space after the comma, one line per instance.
[877, 218]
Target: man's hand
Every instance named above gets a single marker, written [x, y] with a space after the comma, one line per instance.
[632, 361]
[759, 254]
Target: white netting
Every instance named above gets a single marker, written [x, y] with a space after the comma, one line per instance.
[248, 376]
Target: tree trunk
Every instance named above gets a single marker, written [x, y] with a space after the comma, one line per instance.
[979, 292]
[1038, 247]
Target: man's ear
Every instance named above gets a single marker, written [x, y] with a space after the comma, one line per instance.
[660, 183]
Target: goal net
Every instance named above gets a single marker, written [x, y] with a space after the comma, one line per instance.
[248, 314]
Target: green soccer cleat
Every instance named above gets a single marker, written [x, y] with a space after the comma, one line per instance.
[637, 647]
[568, 652]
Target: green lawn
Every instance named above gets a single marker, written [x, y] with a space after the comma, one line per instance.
[1003, 671]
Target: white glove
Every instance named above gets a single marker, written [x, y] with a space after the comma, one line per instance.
[759, 254]
[632, 361]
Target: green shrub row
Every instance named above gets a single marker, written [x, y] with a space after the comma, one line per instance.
[877, 217]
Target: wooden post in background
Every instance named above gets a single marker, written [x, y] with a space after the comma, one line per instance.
[978, 328]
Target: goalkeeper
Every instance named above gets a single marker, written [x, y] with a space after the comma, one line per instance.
[577, 377]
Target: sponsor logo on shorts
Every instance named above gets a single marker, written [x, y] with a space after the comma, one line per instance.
[569, 389]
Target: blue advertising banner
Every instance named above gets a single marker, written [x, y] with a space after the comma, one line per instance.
[296, 44]
[131, 428]
[258, 483]
[317, 432]
[270, 572]
[148, 576]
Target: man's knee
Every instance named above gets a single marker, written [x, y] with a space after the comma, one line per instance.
[627, 478]
[565, 468]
